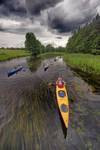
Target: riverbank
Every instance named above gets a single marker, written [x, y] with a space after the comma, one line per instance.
[86, 65]
[10, 54]
[85, 62]
[51, 55]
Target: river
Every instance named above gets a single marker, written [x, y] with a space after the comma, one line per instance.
[29, 118]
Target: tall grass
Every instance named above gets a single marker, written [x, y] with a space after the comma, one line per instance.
[85, 62]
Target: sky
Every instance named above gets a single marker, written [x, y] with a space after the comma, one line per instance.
[52, 21]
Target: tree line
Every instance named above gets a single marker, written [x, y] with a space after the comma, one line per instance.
[33, 45]
[86, 39]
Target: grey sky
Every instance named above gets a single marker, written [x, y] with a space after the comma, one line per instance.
[48, 19]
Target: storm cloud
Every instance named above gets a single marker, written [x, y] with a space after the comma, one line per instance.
[36, 6]
[12, 7]
[48, 19]
[69, 14]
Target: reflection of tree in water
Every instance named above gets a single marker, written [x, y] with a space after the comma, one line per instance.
[34, 63]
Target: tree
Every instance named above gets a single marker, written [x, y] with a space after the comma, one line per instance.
[49, 48]
[87, 39]
[32, 44]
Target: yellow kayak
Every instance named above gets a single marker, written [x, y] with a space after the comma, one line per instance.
[63, 104]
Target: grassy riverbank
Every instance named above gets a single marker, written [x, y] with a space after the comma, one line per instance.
[10, 54]
[85, 62]
[51, 55]
[86, 65]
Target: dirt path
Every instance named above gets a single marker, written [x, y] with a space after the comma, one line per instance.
[29, 117]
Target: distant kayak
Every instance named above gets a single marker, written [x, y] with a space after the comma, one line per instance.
[46, 67]
[63, 104]
[15, 70]
[54, 59]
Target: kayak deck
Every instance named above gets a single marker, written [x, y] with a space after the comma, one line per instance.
[63, 104]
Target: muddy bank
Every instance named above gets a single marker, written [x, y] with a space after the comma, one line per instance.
[29, 117]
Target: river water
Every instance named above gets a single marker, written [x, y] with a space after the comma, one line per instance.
[29, 118]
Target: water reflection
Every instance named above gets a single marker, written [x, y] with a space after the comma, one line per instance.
[28, 111]
[33, 64]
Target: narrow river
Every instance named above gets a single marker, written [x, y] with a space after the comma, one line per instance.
[29, 118]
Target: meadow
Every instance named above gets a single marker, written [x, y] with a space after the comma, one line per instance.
[10, 54]
[86, 62]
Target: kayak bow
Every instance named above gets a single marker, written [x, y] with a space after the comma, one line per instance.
[63, 104]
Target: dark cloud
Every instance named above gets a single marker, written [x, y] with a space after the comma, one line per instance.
[36, 6]
[1, 2]
[4, 11]
[12, 7]
[59, 37]
[70, 15]
[60, 25]
[1, 29]
[63, 26]
[50, 20]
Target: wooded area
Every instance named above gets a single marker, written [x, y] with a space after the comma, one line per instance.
[86, 39]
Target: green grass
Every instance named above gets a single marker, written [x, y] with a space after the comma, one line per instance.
[51, 54]
[10, 54]
[86, 65]
[85, 62]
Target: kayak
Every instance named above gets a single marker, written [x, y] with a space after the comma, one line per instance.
[14, 71]
[63, 104]
[46, 67]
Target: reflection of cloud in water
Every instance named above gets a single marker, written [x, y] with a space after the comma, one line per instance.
[60, 60]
